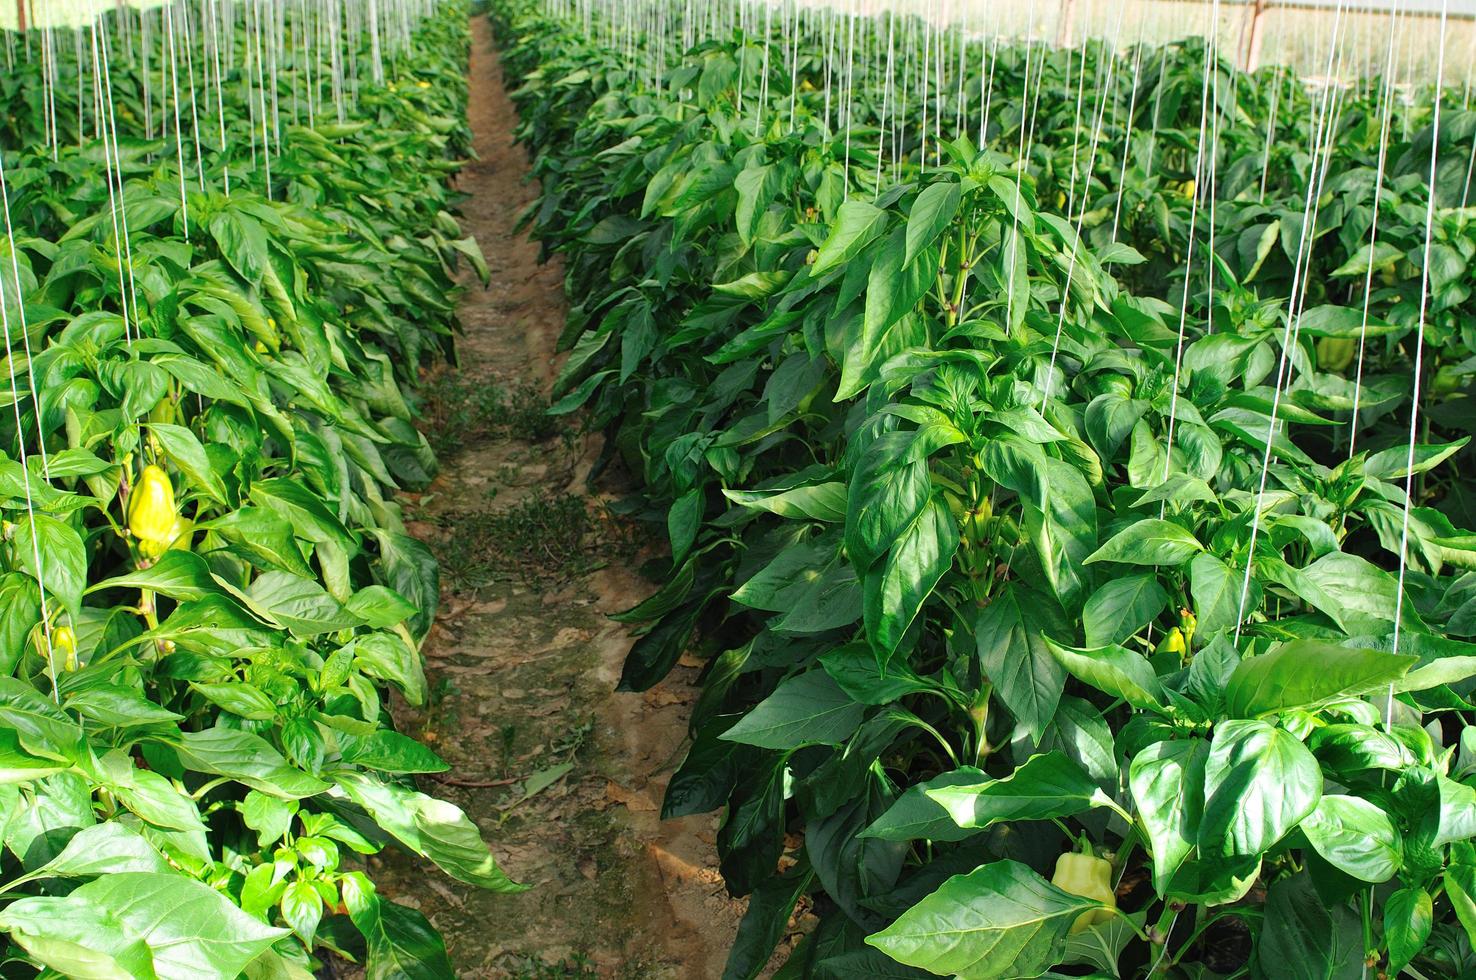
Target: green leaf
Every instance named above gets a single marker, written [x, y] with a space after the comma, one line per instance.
[1215, 588]
[893, 596]
[1409, 916]
[389, 658]
[269, 816]
[77, 939]
[1064, 531]
[1356, 837]
[63, 559]
[855, 669]
[1306, 674]
[430, 827]
[188, 455]
[683, 520]
[388, 751]
[1393, 464]
[40, 726]
[857, 224]
[1115, 671]
[181, 575]
[1081, 731]
[755, 190]
[189, 929]
[54, 808]
[1167, 783]
[808, 709]
[379, 606]
[1044, 786]
[916, 815]
[1122, 607]
[117, 706]
[779, 585]
[1149, 542]
[262, 536]
[1304, 939]
[820, 502]
[410, 569]
[1460, 886]
[1436, 670]
[300, 604]
[1341, 321]
[106, 848]
[156, 799]
[887, 491]
[304, 511]
[1259, 783]
[999, 922]
[20, 612]
[238, 698]
[402, 944]
[1353, 592]
[248, 759]
[1101, 945]
[1015, 656]
[242, 242]
[764, 922]
[302, 909]
[931, 214]
[893, 289]
[19, 766]
[1454, 816]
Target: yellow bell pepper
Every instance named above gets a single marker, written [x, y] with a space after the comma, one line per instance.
[1172, 642]
[151, 514]
[64, 642]
[1090, 877]
[180, 538]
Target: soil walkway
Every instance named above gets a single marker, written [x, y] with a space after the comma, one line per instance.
[524, 672]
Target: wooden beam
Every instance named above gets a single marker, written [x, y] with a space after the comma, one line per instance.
[1253, 43]
[1066, 27]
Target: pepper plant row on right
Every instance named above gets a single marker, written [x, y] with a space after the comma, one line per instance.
[1025, 651]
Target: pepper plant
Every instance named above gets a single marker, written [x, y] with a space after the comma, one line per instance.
[1052, 624]
[206, 588]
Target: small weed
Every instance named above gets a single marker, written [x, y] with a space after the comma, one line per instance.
[460, 410]
[577, 967]
[573, 740]
[509, 735]
[440, 711]
[621, 537]
[540, 539]
[525, 414]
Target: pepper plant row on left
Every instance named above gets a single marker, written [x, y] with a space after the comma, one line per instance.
[223, 267]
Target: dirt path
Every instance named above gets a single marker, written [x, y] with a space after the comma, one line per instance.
[524, 660]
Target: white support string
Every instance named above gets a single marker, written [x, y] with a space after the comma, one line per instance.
[20, 430]
[1419, 352]
[1386, 114]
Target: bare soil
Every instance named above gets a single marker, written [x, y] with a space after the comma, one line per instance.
[524, 673]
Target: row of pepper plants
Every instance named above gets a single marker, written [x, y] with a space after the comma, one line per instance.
[1026, 655]
[206, 589]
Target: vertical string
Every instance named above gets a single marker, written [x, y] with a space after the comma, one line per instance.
[20, 431]
[1419, 358]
